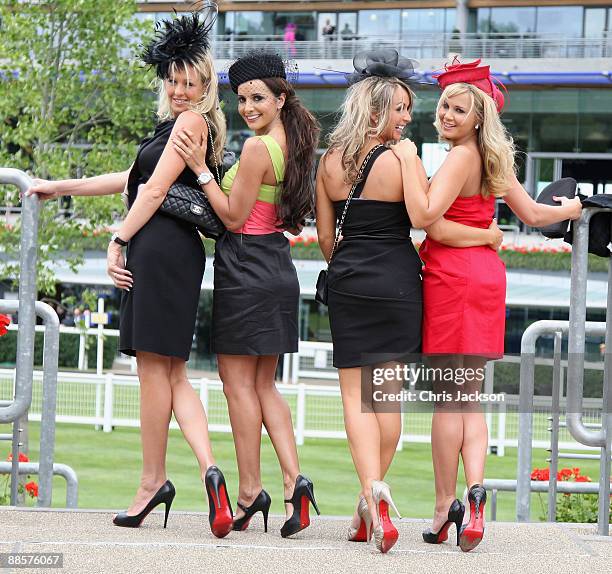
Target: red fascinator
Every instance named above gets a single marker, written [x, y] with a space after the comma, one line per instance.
[471, 73]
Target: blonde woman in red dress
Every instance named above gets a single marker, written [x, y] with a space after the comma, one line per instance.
[464, 288]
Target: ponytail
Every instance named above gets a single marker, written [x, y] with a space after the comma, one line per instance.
[302, 134]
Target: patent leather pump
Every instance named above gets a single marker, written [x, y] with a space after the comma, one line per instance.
[219, 506]
[260, 504]
[303, 495]
[165, 495]
[455, 516]
[473, 532]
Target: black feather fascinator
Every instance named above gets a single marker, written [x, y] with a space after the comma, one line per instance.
[183, 39]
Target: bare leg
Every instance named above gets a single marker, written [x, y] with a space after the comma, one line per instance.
[447, 432]
[363, 432]
[238, 373]
[155, 412]
[190, 415]
[277, 419]
[475, 433]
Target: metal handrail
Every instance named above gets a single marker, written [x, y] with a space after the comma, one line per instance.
[576, 328]
[424, 45]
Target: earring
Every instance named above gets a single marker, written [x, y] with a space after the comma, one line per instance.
[477, 126]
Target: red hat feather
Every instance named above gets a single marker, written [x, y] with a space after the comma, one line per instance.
[471, 73]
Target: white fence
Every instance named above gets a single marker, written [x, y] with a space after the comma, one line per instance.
[112, 400]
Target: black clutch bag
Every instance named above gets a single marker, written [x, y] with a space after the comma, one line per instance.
[321, 288]
[191, 205]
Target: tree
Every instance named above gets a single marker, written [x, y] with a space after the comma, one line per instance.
[74, 101]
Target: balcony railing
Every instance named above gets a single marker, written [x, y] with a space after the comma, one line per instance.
[423, 46]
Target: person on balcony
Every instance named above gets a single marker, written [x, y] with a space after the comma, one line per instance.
[162, 277]
[374, 282]
[256, 289]
[464, 289]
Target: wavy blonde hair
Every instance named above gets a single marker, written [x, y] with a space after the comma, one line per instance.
[208, 105]
[372, 96]
[495, 143]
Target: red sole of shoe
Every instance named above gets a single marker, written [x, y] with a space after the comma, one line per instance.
[391, 534]
[362, 534]
[223, 521]
[474, 530]
[443, 534]
[304, 514]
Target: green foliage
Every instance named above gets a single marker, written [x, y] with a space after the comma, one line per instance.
[73, 103]
[68, 353]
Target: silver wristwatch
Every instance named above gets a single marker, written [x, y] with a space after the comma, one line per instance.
[205, 177]
[115, 237]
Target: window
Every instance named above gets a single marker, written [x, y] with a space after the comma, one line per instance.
[347, 25]
[379, 22]
[304, 21]
[423, 20]
[513, 20]
[594, 22]
[560, 20]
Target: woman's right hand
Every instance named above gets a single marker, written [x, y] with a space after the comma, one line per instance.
[44, 188]
[190, 150]
[497, 235]
[404, 149]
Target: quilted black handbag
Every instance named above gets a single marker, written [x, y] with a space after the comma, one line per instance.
[191, 205]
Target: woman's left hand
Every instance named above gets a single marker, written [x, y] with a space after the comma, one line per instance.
[115, 267]
[574, 204]
[191, 151]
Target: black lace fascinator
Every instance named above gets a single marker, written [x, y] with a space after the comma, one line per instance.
[383, 63]
[183, 39]
[257, 65]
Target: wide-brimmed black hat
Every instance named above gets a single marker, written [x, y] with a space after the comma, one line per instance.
[600, 233]
[565, 187]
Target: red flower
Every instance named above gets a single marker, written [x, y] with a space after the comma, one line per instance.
[576, 471]
[32, 489]
[22, 457]
[583, 479]
[4, 323]
[540, 474]
[564, 474]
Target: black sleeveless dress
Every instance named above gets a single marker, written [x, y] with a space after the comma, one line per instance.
[167, 259]
[374, 283]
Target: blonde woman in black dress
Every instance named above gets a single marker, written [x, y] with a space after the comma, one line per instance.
[162, 279]
[375, 302]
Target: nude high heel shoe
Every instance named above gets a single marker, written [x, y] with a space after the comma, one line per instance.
[364, 532]
[385, 534]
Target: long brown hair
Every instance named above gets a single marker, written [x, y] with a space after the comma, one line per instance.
[302, 134]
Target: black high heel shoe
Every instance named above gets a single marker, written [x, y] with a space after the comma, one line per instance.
[165, 495]
[220, 515]
[260, 504]
[455, 515]
[473, 531]
[303, 493]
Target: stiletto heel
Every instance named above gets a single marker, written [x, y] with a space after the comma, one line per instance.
[165, 495]
[303, 494]
[455, 516]
[364, 532]
[260, 504]
[473, 532]
[220, 514]
[385, 534]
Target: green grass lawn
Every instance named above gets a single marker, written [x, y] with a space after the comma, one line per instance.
[108, 465]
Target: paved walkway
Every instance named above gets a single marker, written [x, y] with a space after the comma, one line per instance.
[91, 544]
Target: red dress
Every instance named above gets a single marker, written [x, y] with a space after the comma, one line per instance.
[464, 289]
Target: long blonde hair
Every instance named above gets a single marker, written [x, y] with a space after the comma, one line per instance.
[208, 105]
[495, 143]
[370, 97]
